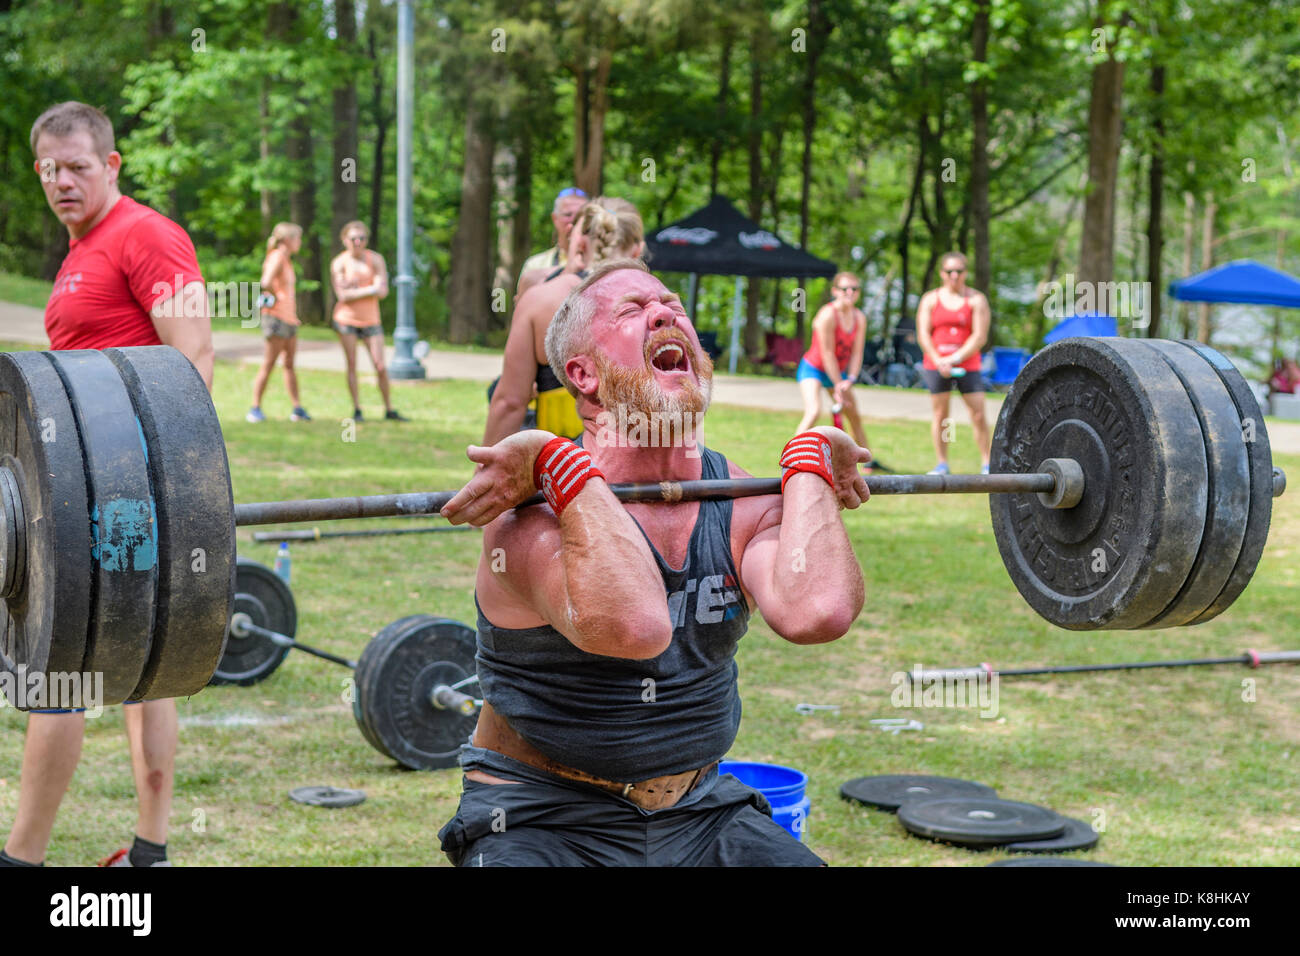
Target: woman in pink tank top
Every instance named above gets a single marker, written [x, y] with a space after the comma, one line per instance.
[952, 324]
[835, 358]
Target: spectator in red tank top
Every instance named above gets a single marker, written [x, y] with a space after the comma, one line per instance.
[130, 278]
[952, 324]
[835, 357]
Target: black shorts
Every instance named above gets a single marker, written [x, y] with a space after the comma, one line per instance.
[968, 383]
[547, 821]
[362, 331]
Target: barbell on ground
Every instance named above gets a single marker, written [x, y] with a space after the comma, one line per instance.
[406, 693]
[117, 525]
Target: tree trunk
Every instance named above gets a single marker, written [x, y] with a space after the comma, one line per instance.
[1203, 329]
[979, 162]
[505, 169]
[720, 114]
[1156, 206]
[818, 31]
[264, 153]
[752, 336]
[1189, 232]
[905, 232]
[344, 174]
[467, 298]
[589, 121]
[302, 210]
[1053, 267]
[1097, 247]
[521, 228]
[382, 121]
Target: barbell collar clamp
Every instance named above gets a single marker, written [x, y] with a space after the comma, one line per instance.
[444, 698]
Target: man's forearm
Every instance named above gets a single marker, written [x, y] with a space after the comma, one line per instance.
[617, 604]
[816, 579]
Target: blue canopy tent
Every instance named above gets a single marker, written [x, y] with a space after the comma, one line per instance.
[1244, 281]
[1085, 323]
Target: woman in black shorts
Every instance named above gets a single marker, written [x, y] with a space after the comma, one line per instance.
[952, 324]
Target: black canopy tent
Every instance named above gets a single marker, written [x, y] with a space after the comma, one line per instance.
[718, 240]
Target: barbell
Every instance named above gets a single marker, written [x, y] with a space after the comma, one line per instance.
[117, 524]
[406, 691]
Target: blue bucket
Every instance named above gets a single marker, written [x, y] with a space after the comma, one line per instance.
[784, 788]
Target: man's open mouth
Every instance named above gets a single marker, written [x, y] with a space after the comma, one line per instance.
[671, 357]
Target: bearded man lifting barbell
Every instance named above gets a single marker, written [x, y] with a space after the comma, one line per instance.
[607, 632]
[130, 278]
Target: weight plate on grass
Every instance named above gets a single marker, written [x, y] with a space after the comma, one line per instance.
[123, 525]
[980, 821]
[364, 671]
[1118, 558]
[1228, 486]
[395, 698]
[327, 796]
[190, 479]
[890, 791]
[46, 603]
[266, 599]
[1078, 835]
[1260, 458]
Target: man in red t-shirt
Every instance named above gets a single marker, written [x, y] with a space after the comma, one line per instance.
[130, 278]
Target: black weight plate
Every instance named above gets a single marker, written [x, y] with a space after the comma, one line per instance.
[47, 610]
[1228, 487]
[980, 821]
[1260, 458]
[327, 796]
[266, 599]
[1078, 835]
[890, 791]
[364, 670]
[1119, 557]
[395, 699]
[196, 525]
[123, 526]
[1048, 861]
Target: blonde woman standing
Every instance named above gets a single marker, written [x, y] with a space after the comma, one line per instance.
[279, 319]
[606, 228]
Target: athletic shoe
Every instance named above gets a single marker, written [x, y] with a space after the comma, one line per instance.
[940, 469]
[299, 414]
[356, 415]
[254, 416]
[393, 415]
[123, 858]
[984, 470]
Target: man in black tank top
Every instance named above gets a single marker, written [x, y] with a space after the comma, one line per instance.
[607, 632]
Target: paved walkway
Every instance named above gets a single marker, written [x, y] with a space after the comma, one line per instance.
[21, 323]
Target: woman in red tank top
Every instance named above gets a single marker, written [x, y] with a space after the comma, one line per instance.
[835, 358]
[952, 324]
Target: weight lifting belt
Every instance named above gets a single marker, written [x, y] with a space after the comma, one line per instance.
[627, 720]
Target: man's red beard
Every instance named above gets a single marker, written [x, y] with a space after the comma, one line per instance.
[637, 390]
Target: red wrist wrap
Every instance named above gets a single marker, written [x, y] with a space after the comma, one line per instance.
[561, 469]
[807, 451]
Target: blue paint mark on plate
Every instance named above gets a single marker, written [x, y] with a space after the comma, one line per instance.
[124, 535]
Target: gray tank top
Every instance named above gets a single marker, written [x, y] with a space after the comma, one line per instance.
[631, 720]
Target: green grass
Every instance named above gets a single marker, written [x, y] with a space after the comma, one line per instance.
[1181, 769]
[24, 291]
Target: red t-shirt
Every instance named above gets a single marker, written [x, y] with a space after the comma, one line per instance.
[842, 347]
[949, 330]
[114, 275]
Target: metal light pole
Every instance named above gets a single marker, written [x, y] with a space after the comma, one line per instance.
[404, 364]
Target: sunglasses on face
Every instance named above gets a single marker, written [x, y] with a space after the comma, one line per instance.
[953, 272]
[356, 238]
[846, 288]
